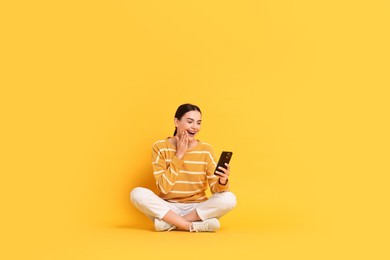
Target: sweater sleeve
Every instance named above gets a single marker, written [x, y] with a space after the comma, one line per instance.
[212, 179]
[165, 173]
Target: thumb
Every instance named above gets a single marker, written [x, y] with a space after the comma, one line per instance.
[177, 137]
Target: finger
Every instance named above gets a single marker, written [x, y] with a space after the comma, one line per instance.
[219, 173]
[227, 166]
[182, 137]
[223, 176]
[223, 169]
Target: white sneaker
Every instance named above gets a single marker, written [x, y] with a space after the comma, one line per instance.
[209, 225]
[161, 225]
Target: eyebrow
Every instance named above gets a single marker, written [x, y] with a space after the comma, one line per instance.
[193, 119]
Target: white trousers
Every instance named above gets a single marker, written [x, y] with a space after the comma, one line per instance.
[154, 207]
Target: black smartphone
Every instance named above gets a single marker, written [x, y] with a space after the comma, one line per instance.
[224, 158]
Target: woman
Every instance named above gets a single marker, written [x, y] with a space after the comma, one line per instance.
[183, 167]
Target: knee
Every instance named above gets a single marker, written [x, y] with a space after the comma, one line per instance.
[138, 194]
[230, 200]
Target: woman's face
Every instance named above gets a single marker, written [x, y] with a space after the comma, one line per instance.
[190, 123]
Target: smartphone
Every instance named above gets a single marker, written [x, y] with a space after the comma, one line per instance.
[224, 158]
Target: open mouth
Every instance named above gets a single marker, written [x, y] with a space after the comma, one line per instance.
[191, 133]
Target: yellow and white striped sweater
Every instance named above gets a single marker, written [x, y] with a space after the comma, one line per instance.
[185, 180]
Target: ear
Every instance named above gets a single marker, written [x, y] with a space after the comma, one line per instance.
[176, 122]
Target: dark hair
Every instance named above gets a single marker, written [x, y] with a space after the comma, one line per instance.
[181, 110]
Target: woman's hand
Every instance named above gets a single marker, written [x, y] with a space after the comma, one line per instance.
[181, 144]
[223, 174]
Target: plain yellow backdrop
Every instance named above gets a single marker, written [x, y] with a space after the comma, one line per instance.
[298, 90]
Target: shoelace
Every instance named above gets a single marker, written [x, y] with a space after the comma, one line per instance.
[166, 226]
[196, 227]
[192, 229]
[171, 228]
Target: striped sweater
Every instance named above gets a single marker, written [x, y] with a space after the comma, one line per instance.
[185, 180]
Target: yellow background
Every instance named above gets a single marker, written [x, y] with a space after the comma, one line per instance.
[297, 89]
